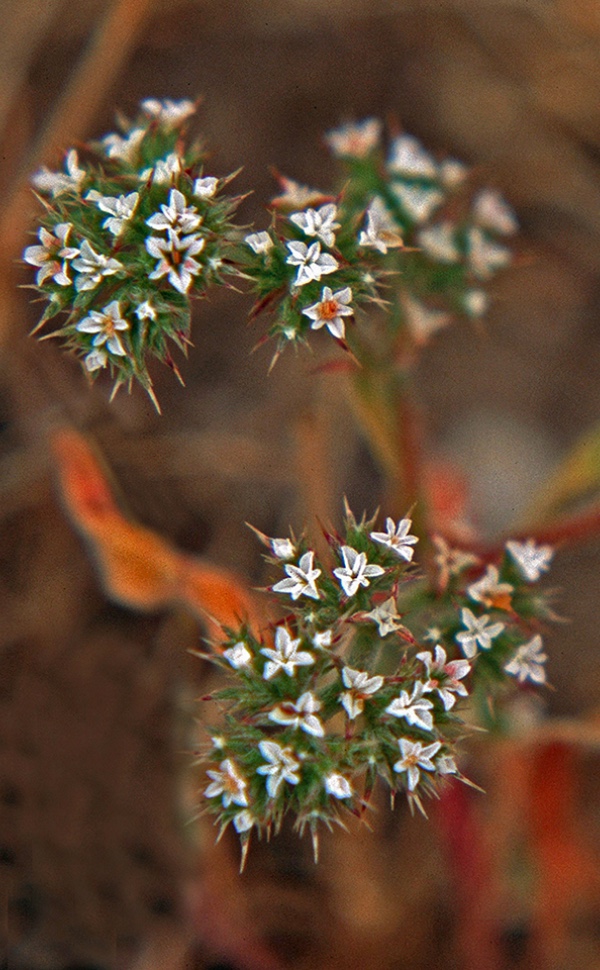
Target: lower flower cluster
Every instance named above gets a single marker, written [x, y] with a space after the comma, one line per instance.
[346, 690]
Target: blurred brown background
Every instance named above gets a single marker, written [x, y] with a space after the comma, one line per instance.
[100, 865]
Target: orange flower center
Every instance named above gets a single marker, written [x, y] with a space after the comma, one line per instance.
[329, 309]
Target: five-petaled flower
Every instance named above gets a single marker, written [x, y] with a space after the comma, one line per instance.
[416, 756]
[397, 538]
[286, 655]
[120, 209]
[176, 215]
[104, 325]
[228, 783]
[490, 591]
[300, 714]
[356, 571]
[386, 617]
[282, 766]
[330, 310]
[176, 258]
[92, 267]
[531, 560]
[318, 222]
[238, 655]
[528, 662]
[301, 579]
[205, 187]
[360, 686]
[414, 708]
[259, 242]
[479, 632]
[47, 256]
[381, 232]
[443, 676]
[311, 262]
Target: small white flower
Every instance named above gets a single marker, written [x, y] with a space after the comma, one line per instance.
[439, 242]
[433, 634]
[286, 655]
[423, 321]
[330, 310]
[282, 766]
[386, 617]
[176, 258]
[418, 203]
[243, 821]
[301, 579]
[416, 756]
[228, 783]
[478, 632]
[528, 662]
[58, 182]
[283, 548]
[452, 173]
[323, 640]
[318, 222]
[490, 591]
[381, 232]
[95, 360]
[47, 256]
[354, 140]
[311, 263]
[491, 211]
[238, 656]
[444, 677]
[337, 785]
[164, 170]
[169, 114]
[475, 302]
[408, 157]
[125, 149]
[531, 560]
[295, 195]
[145, 311]
[259, 242]
[206, 187]
[360, 686]
[356, 571]
[104, 325]
[176, 215]
[92, 267]
[446, 765]
[414, 708]
[301, 714]
[120, 208]
[485, 257]
[450, 562]
[397, 538]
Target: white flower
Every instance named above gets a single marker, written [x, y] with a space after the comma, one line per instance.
[423, 321]
[415, 708]
[228, 783]
[452, 172]
[318, 222]
[337, 785]
[169, 114]
[475, 302]
[238, 655]
[356, 571]
[381, 232]
[95, 360]
[206, 187]
[444, 677]
[528, 662]
[478, 632]
[330, 310]
[105, 325]
[301, 579]
[491, 211]
[397, 538]
[121, 209]
[439, 242]
[301, 714]
[283, 548]
[58, 182]
[446, 765]
[47, 256]
[286, 655]
[295, 195]
[145, 311]
[92, 267]
[417, 203]
[282, 766]
[124, 149]
[434, 634]
[416, 756]
[531, 560]
[311, 263]
[260, 242]
[164, 170]
[450, 562]
[243, 821]
[490, 591]
[360, 686]
[386, 617]
[408, 157]
[323, 640]
[354, 140]
[485, 257]
[176, 258]
[176, 215]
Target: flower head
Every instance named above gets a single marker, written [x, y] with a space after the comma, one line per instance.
[531, 560]
[301, 579]
[318, 222]
[228, 783]
[281, 766]
[301, 714]
[528, 662]
[356, 571]
[330, 310]
[397, 538]
[286, 655]
[416, 757]
[479, 632]
[311, 263]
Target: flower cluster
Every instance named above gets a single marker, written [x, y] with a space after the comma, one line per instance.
[346, 689]
[130, 232]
